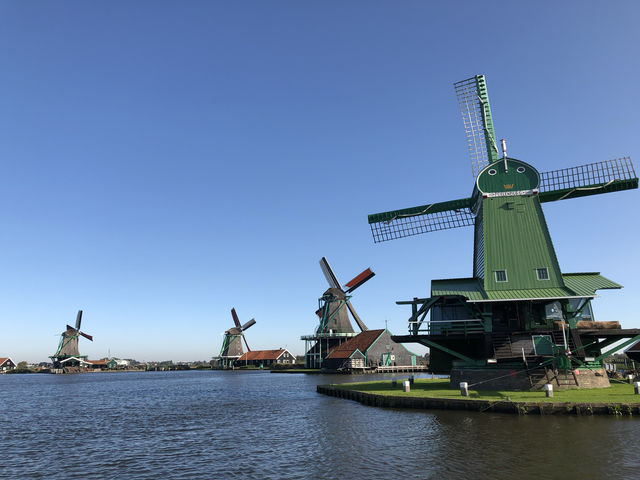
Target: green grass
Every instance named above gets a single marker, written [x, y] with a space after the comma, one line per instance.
[439, 388]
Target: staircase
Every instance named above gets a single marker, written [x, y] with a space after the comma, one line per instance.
[558, 339]
[536, 376]
[566, 379]
[562, 379]
[501, 345]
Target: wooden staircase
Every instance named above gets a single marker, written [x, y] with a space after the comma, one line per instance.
[501, 345]
[536, 376]
[558, 339]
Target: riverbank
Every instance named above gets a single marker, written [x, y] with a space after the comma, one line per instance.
[618, 399]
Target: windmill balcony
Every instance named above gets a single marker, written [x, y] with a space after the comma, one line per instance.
[316, 336]
[447, 327]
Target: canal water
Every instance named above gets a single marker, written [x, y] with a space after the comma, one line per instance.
[258, 425]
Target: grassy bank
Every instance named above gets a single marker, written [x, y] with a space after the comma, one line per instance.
[619, 393]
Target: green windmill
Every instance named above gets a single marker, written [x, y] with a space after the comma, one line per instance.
[231, 348]
[518, 321]
[67, 355]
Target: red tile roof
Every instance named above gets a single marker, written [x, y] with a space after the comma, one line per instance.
[3, 359]
[361, 342]
[261, 355]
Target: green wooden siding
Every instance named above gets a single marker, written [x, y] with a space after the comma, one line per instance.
[516, 239]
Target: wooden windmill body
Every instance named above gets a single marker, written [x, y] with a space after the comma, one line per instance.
[334, 326]
[231, 349]
[67, 355]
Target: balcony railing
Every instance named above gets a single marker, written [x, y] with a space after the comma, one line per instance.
[447, 327]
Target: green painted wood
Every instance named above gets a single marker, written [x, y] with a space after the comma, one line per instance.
[420, 210]
[517, 177]
[597, 189]
[516, 240]
[489, 133]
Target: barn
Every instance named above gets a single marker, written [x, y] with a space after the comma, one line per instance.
[263, 358]
[371, 349]
[7, 364]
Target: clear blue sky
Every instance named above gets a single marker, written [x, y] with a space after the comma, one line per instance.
[165, 161]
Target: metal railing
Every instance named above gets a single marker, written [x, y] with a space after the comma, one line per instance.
[447, 327]
[316, 336]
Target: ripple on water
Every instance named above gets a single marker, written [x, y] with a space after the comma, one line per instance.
[246, 425]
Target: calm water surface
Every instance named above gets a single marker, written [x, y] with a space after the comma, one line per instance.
[254, 425]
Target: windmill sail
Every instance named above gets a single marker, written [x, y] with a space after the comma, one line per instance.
[328, 273]
[473, 100]
[425, 218]
[592, 179]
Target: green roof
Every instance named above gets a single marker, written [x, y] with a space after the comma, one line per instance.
[587, 283]
[470, 288]
[577, 285]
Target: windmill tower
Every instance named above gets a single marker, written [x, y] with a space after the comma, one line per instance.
[232, 343]
[67, 355]
[518, 312]
[335, 306]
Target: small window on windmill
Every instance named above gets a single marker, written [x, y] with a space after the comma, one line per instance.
[387, 346]
[501, 275]
[543, 273]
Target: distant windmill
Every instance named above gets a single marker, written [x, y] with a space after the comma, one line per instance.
[68, 354]
[334, 327]
[232, 343]
[337, 297]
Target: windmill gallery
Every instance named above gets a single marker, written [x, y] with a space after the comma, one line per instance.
[518, 322]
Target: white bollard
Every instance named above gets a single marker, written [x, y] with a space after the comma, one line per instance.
[636, 388]
[406, 386]
[464, 389]
[548, 390]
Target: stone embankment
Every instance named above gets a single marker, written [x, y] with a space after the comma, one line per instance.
[502, 406]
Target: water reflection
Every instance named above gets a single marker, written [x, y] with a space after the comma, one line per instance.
[211, 424]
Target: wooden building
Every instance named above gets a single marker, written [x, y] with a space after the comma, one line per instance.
[370, 349]
[633, 352]
[263, 358]
[6, 364]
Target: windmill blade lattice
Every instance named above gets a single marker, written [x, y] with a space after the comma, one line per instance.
[426, 218]
[473, 100]
[591, 179]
